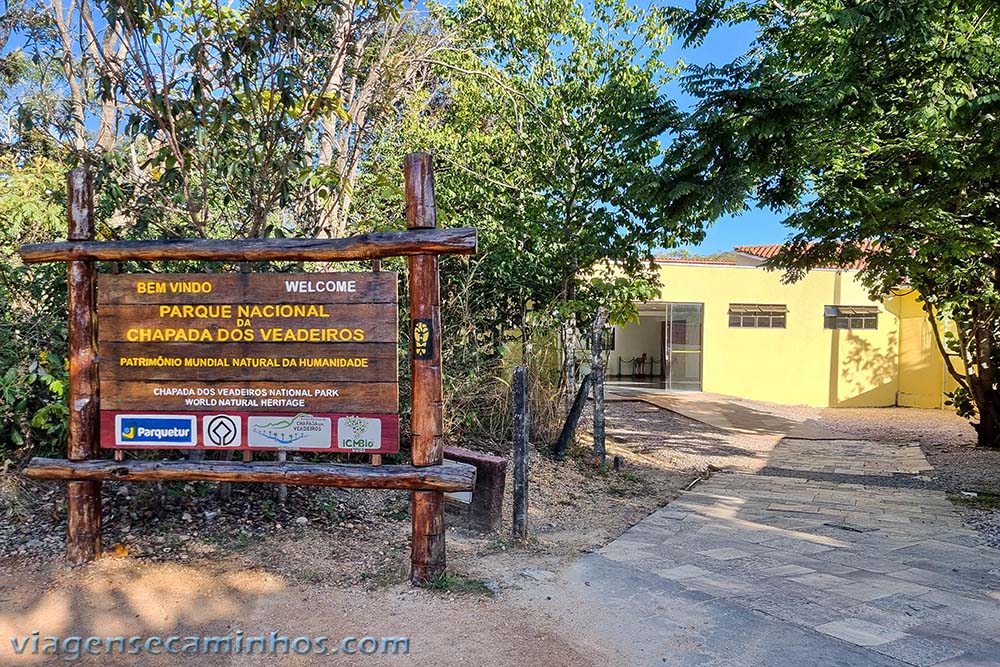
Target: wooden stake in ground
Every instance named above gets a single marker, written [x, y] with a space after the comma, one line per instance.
[282, 488]
[597, 379]
[83, 513]
[568, 432]
[522, 422]
[427, 555]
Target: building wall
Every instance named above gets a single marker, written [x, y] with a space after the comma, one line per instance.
[803, 363]
[923, 378]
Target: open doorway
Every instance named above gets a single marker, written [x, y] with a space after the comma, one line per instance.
[663, 350]
[636, 358]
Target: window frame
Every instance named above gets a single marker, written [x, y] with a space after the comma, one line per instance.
[849, 318]
[758, 316]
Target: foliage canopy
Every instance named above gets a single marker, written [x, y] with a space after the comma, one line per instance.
[875, 125]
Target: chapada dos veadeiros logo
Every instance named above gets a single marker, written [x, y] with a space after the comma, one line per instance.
[303, 431]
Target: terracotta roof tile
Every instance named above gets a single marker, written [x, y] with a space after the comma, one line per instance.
[694, 260]
[768, 251]
[762, 251]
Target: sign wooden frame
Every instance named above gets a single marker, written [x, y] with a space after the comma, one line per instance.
[427, 477]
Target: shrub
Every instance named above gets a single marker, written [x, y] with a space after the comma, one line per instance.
[33, 374]
[33, 367]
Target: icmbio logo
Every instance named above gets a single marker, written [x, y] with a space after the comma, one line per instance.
[359, 434]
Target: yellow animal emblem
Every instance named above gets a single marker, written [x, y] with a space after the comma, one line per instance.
[421, 335]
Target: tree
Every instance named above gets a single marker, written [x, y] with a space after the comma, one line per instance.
[535, 119]
[290, 117]
[204, 119]
[583, 75]
[875, 124]
[255, 116]
[49, 74]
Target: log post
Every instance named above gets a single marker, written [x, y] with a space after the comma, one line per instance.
[282, 488]
[376, 268]
[83, 515]
[521, 432]
[427, 554]
[568, 433]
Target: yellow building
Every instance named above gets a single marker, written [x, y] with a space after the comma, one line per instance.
[732, 327]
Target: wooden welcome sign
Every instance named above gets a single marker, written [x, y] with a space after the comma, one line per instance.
[223, 362]
[249, 361]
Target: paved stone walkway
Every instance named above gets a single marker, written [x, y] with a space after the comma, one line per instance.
[799, 566]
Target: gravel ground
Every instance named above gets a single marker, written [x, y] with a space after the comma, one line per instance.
[344, 537]
[985, 521]
[181, 522]
[947, 440]
[679, 442]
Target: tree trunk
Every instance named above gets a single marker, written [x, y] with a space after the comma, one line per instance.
[988, 427]
[569, 363]
[975, 352]
[73, 73]
[597, 364]
[988, 430]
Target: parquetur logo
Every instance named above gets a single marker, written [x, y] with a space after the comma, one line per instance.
[173, 430]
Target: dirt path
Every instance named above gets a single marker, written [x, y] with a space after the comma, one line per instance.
[129, 597]
[329, 563]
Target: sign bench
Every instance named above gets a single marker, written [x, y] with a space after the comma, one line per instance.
[243, 362]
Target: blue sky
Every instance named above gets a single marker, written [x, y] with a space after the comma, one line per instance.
[754, 227]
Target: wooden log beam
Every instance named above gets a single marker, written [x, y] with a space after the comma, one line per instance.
[449, 476]
[460, 241]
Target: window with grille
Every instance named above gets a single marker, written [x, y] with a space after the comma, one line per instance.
[757, 315]
[850, 317]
